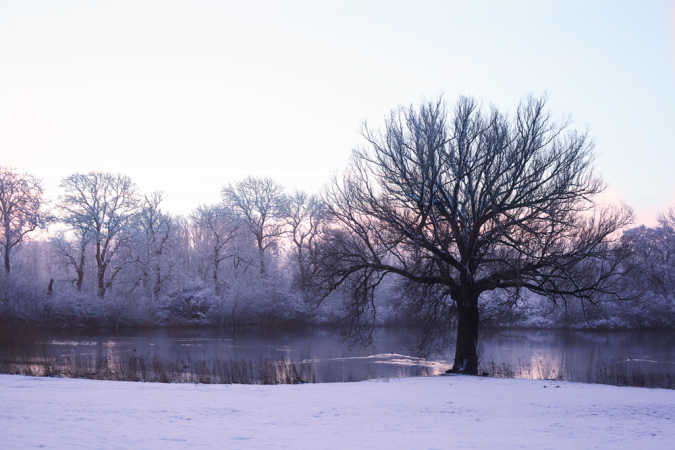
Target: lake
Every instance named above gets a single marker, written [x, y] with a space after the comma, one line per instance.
[645, 358]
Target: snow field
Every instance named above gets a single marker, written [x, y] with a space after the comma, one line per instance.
[410, 413]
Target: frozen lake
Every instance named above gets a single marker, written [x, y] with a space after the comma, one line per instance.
[214, 355]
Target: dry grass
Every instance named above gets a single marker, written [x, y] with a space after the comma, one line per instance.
[620, 373]
[134, 368]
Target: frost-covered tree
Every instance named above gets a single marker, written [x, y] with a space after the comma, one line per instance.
[214, 229]
[262, 205]
[21, 210]
[155, 229]
[459, 204]
[103, 205]
[652, 258]
[180, 254]
[72, 252]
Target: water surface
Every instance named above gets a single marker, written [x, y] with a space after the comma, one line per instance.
[215, 355]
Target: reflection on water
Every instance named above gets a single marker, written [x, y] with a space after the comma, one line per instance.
[214, 356]
[644, 358]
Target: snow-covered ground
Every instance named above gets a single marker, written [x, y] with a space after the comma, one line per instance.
[411, 413]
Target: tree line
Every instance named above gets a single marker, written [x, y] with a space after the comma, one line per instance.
[103, 222]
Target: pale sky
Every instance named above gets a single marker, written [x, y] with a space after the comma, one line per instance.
[186, 97]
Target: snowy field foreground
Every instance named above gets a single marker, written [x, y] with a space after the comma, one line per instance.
[410, 413]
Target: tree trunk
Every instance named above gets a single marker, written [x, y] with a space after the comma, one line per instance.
[7, 268]
[100, 266]
[466, 355]
[216, 267]
[158, 281]
[79, 268]
[7, 243]
[301, 267]
[80, 279]
[261, 255]
[101, 281]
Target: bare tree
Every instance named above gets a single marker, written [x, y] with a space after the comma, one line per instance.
[20, 209]
[73, 252]
[156, 229]
[261, 203]
[652, 256]
[103, 205]
[215, 227]
[667, 220]
[470, 202]
[305, 216]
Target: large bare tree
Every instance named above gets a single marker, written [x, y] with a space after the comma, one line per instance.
[101, 205]
[20, 209]
[262, 204]
[461, 203]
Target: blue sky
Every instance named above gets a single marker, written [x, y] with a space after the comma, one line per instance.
[188, 96]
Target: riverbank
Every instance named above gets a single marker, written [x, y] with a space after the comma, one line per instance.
[425, 412]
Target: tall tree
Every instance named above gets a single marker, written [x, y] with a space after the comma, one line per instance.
[20, 209]
[103, 205]
[262, 204]
[464, 203]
